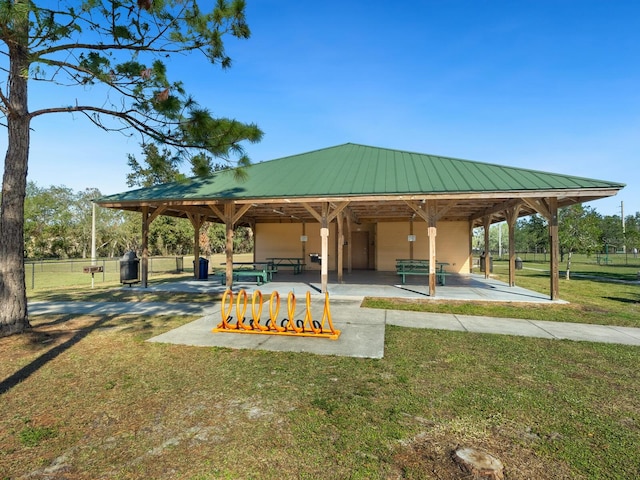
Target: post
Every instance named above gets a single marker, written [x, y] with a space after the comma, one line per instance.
[411, 242]
[196, 250]
[349, 244]
[512, 217]
[554, 245]
[93, 235]
[145, 247]
[304, 243]
[340, 221]
[229, 211]
[324, 255]
[487, 251]
[432, 259]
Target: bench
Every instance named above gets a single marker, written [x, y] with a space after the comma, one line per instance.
[260, 273]
[406, 267]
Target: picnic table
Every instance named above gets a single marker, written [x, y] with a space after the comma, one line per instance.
[412, 266]
[261, 271]
[297, 263]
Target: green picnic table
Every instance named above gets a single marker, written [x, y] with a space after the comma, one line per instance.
[409, 266]
[297, 263]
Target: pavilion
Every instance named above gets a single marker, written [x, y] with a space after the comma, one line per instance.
[362, 207]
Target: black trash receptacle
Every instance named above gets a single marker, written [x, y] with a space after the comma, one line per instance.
[203, 268]
[483, 263]
[129, 268]
[179, 264]
[518, 263]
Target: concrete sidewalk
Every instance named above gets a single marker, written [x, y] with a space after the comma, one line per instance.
[362, 328]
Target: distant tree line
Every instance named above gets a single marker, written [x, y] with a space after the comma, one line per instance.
[57, 224]
[581, 229]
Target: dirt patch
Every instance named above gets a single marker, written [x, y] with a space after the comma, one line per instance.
[429, 455]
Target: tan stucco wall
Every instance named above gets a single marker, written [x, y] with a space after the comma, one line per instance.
[283, 240]
[452, 244]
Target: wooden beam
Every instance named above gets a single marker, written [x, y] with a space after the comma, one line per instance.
[196, 222]
[145, 247]
[241, 211]
[337, 210]
[324, 234]
[554, 245]
[349, 244]
[502, 207]
[156, 213]
[411, 243]
[432, 231]
[470, 255]
[217, 211]
[147, 218]
[486, 222]
[340, 222]
[313, 213]
[540, 205]
[512, 217]
[304, 244]
[229, 214]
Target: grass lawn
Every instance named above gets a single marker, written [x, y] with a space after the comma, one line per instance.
[86, 398]
[602, 295]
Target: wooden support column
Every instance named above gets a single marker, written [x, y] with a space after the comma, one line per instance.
[145, 247]
[349, 244]
[471, 227]
[429, 212]
[512, 217]
[432, 231]
[554, 245]
[230, 217]
[324, 251]
[411, 243]
[325, 218]
[229, 210]
[304, 244]
[549, 209]
[147, 218]
[486, 222]
[196, 222]
[340, 222]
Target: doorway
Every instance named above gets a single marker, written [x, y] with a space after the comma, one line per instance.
[360, 250]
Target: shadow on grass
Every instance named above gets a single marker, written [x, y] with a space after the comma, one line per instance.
[28, 370]
[623, 300]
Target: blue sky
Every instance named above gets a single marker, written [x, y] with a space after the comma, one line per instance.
[546, 85]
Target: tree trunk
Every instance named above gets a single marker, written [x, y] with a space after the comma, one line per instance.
[13, 294]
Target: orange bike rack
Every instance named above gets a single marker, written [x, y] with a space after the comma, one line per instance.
[289, 326]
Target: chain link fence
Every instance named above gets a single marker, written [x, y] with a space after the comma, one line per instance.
[49, 274]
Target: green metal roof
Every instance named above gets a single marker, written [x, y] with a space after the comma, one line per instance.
[353, 170]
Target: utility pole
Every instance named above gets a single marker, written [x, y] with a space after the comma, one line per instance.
[624, 231]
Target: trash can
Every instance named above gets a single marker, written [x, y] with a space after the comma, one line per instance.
[129, 268]
[179, 264]
[518, 263]
[203, 269]
[483, 263]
